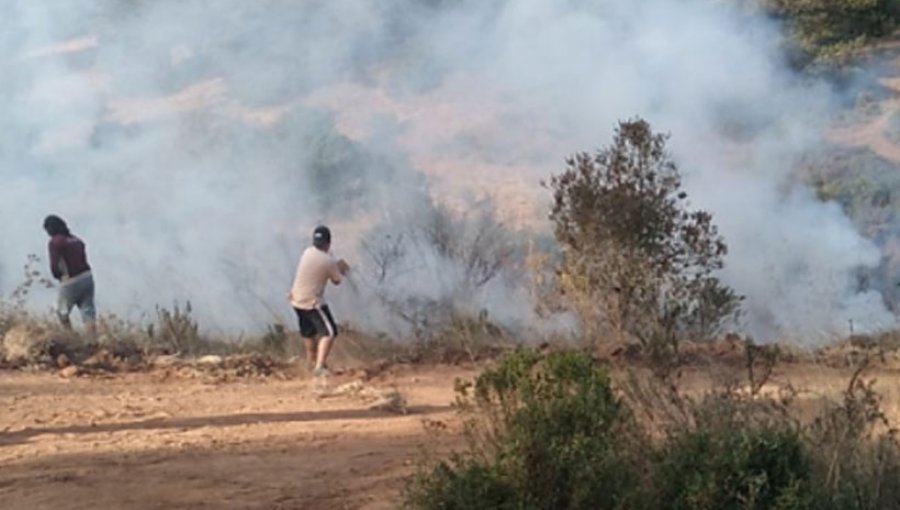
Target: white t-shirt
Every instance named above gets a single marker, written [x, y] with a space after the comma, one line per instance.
[314, 270]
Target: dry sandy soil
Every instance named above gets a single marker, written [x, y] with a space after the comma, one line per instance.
[151, 440]
[147, 441]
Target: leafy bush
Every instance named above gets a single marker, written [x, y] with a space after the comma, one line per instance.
[462, 483]
[549, 431]
[637, 263]
[733, 469]
[858, 461]
[543, 433]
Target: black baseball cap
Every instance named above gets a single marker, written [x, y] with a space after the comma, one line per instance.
[321, 236]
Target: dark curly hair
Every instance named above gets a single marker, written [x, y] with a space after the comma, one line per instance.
[54, 225]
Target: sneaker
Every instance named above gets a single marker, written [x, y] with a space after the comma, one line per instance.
[321, 372]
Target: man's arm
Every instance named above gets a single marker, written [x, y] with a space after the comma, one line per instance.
[53, 250]
[338, 270]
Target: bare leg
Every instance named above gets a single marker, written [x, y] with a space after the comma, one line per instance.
[324, 349]
[66, 322]
[63, 309]
[310, 346]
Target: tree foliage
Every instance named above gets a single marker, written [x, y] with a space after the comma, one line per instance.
[636, 261]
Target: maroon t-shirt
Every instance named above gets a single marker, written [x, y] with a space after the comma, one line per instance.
[67, 256]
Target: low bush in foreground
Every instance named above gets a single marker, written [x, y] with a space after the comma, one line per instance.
[550, 431]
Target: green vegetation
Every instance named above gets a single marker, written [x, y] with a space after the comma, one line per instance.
[826, 32]
[557, 431]
[551, 431]
[865, 185]
[862, 182]
[543, 433]
[638, 264]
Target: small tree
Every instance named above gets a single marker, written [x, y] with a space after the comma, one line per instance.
[636, 262]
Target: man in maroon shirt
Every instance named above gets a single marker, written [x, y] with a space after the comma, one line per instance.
[69, 265]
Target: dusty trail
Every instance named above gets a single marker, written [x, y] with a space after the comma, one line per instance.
[151, 440]
[136, 442]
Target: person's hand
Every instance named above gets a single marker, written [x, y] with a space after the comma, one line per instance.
[343, 266]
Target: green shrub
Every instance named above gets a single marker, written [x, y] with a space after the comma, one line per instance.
[560, 443]
[461, 484]
[723, 469]
[638, 263]
[857, 461]
[548, 431]
[543, 433]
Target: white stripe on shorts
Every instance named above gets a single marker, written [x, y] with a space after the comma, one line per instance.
[326, 321]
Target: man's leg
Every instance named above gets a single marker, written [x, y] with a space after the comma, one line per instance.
[309, 346]
[87, 309]
[64, 319]
[307, 333]
[324, 349]
[90, 326]
[64, 306]
[329, 330]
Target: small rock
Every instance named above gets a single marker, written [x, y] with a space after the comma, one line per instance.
[62, 361]
[349, 388]
[69, 371]
[391, 402]
[210, 359]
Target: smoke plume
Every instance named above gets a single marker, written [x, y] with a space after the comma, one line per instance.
[194, 144]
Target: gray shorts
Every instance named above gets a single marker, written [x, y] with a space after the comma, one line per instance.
[79, 292]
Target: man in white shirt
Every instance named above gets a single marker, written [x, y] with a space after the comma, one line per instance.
[317, 326]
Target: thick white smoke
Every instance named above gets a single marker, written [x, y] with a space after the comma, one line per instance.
[190, 142]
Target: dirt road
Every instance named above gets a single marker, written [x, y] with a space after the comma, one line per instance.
[154, 440]
[135, 441]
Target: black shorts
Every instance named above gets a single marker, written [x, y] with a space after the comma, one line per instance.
[316, 323]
